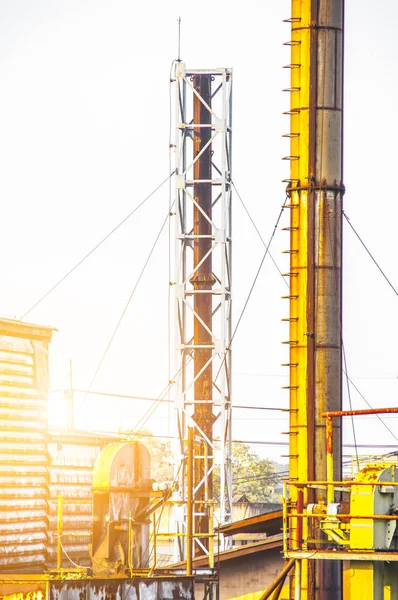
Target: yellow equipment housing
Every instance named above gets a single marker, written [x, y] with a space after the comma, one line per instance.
[121, 492]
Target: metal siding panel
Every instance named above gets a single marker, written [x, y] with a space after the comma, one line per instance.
[23, 451]
[123, 589]
[71, 476]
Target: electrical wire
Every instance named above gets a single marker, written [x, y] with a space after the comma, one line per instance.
[125, 595]
[345, 370]
[370, 254]
[271, 477]
[370, 406]
[124, 311]
[254, 442]
[169, 299]
[160, 399]
[159, 521]
[253, 284]
[122, 396]
[59, 537]
[260, 408]
[349, 397]
[338, 310]
[257, 274]
[258, 232]
[285, 444]
[81, 261]
[336, 290]
[149, 413]
[175, 481]
[156, 402]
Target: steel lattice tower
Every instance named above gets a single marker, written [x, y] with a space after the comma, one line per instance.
[202, 287]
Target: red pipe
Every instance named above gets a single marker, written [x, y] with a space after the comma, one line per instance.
[354, 413]
[300, 509]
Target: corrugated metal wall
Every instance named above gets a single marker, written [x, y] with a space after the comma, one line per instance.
[34, 469]
[176, 588]
[71, 477]
[24, 459]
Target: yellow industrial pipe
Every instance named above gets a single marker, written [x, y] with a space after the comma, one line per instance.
[315, 190]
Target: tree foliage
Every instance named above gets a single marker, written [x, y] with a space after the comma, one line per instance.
[252, 476]
[162, 469]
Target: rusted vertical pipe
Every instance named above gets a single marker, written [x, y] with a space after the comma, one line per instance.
[329, 459]
[280, 577]
[316, 192]
[155, 558]
[299, 527]
[190, 504]
[60, 528]
[202, 281]
[278, 590]
[70, 403]
[297, 580]
[328, 190]
[211, 539]
[130, 546]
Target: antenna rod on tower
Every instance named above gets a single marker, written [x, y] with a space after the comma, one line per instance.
[179, 40]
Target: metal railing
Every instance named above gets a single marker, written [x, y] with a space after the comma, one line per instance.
[299, 524]
[327, 524]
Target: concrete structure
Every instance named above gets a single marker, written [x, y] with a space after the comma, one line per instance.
[245, 571]
[247, 574]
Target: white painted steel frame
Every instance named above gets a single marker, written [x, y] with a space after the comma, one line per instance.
[184, 315]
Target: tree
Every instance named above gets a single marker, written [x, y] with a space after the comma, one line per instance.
[162, 469]
[252, 476]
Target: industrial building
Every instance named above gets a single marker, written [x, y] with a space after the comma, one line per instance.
[80, 513]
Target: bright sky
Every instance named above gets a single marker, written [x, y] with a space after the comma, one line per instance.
[84, 125]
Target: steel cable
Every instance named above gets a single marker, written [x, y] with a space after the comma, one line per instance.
[370, 406]
[253, 285]
[81, 261]
[370, 254]
[338, 309]
[258, 232]
[124, 311]
[336, 293]
[345, 370]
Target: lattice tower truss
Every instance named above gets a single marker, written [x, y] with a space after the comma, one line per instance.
[202, 287]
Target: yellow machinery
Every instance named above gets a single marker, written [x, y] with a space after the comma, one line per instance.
[357, 524]
[121, 493]
[123, 500]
